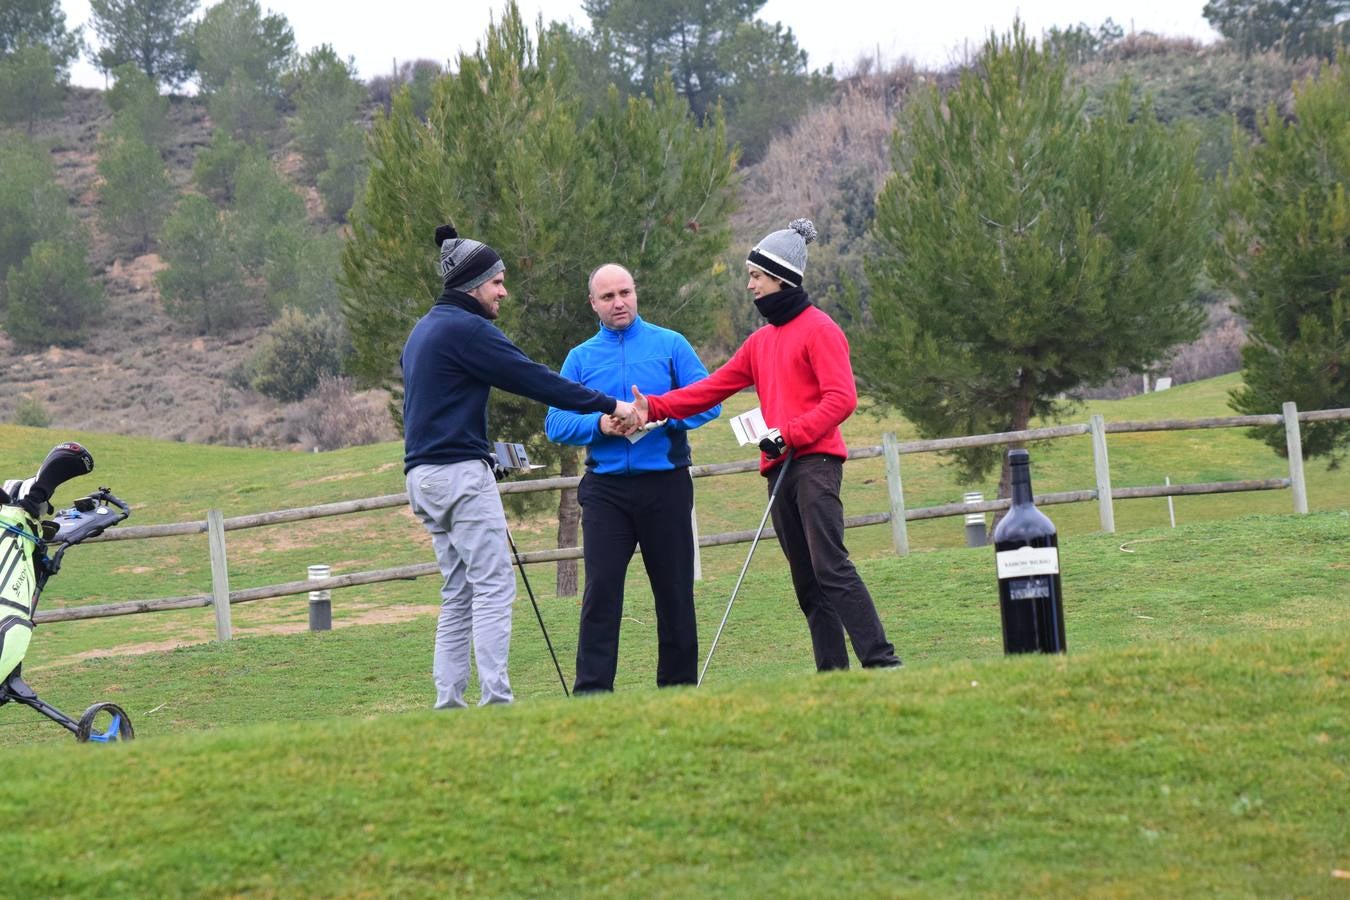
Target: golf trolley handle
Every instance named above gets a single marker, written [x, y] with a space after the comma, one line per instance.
[88, 517]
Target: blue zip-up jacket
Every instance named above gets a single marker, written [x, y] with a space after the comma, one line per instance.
[657, 360]
[452, 358]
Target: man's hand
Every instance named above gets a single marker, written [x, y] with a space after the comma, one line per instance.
[612, 426]
[626, 417]
[772, 444]
[640, 406]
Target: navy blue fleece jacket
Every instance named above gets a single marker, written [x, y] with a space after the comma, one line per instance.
[452, 358]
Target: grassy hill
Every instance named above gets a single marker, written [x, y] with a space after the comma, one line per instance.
[1193, 741]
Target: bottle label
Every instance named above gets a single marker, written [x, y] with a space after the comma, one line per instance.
[1036, 587]
[1026, 561]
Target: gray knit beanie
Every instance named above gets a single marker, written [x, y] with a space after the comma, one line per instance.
[782, 254]
[465, 263]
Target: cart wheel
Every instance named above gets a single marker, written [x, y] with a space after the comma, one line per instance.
[104, 723]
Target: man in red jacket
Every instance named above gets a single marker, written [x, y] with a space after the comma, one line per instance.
[799, 365]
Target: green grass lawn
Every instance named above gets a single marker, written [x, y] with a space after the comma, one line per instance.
[1193, 741]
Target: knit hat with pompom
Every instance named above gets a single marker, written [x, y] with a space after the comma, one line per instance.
[465, 263]
[782, 254]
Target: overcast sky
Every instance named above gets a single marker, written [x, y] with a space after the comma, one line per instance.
[831, 31]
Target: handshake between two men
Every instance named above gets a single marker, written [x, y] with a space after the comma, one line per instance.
[630, 418]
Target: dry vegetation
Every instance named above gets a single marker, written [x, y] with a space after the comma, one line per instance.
[142, 373]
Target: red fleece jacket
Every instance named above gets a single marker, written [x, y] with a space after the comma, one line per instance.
[804, 380]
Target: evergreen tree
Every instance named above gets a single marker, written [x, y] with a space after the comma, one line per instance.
[241, 56]
[1294, 27]
[135, 194]
[1024, 250]
[344, 173]
[52, 298]
[215, 171]
[201, 285]
[328, 101]
[503, 157]
[32, 85]
[268, 225]
[28, 22]
[1286, 230]
[139, 110]
[33, 207]
[715, 51]
[149, 34]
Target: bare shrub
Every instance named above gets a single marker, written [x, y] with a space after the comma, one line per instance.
[30, 413]
[336, 416]
[1146, 43]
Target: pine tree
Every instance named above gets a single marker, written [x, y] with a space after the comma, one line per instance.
[242, 55]
[149, 34]
[32, 85]
[1286, 230]
[139, 109]
[1024, 250]
[136, 194]
[201, 285]
[33, 208]
[52, 298]
[503, 157]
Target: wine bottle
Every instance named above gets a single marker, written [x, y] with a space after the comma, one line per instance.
[1026, 550]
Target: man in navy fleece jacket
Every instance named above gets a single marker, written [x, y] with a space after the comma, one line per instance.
[452, 358]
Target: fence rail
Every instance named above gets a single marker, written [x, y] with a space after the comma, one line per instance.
[215, 526]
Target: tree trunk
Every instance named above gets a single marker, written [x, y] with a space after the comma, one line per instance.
[569, 520]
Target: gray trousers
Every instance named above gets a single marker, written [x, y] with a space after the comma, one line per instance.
[461, 509]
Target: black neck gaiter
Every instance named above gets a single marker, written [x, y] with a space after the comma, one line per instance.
[784, 306]
[452, 297]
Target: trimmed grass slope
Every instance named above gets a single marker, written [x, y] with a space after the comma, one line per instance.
[1182, 768]
[1196, 740]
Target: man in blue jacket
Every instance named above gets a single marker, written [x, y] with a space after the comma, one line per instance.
[636, 490]
[452, 359]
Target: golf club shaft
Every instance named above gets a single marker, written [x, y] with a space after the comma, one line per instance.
[782, 474]
[537, 615]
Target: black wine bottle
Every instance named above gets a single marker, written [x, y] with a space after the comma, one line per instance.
[1026, 550]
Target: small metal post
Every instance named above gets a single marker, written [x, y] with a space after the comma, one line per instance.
[1293, 442]
[320, 602]
[220, 573]
[1171, 512]
[975, 524]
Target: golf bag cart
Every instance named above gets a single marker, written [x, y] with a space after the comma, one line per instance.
[26, 537]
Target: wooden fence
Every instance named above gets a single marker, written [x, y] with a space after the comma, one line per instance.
[221, 597]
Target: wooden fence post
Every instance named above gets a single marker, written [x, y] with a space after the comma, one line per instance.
[1294, 442]
[899, 529]
[220, 573]
[1105, 511]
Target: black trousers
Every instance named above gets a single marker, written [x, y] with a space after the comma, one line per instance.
[808, 518]
[618, 514]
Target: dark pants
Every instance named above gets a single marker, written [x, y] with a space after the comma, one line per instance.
[809, 520]
[619, 513]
